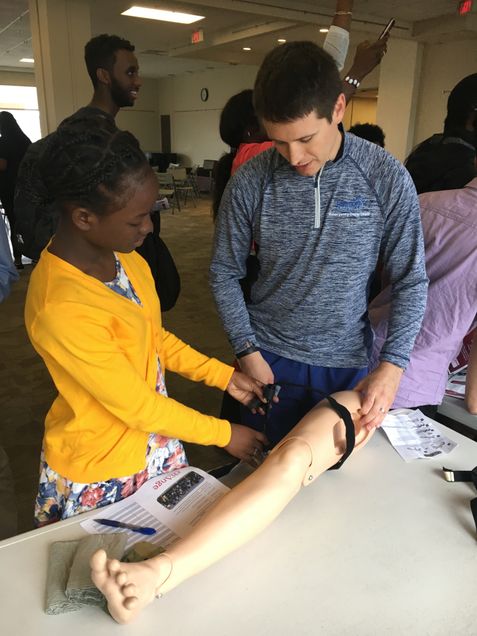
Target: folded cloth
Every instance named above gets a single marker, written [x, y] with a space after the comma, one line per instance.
[59, 565]
[69, 586]
[141, 551]
[80, 588]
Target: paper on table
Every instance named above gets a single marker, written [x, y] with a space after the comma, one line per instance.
[414, 435]
[171, 503]
[456, 384]
[462, 358]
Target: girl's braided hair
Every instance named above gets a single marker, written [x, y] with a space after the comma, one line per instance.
[87, 161]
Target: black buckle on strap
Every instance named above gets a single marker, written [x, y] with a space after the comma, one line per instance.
[461, 475]
[269, 392]
[464, 475]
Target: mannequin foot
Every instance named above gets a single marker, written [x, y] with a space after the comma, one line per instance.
[128, 587]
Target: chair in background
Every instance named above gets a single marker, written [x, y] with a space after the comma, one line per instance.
[205, 175]
[192, 178]
[183, 185]
[167, 188]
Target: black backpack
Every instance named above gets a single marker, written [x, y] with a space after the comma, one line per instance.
[35, 221]
[162, 266]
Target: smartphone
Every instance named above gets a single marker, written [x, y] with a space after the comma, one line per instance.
[387, 28]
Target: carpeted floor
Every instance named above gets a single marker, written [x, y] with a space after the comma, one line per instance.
[26, 391]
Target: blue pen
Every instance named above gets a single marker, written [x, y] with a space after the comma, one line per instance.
[113, 523]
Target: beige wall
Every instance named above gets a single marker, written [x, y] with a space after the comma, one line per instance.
[360, 110]
[443, 65]
[400, 73]
[143, 120]
[195, 124]
[12, 78]
[406, 86]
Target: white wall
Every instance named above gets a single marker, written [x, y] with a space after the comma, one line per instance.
[195, 124]
[443, 65]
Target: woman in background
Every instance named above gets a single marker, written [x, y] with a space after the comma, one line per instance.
[13, 146]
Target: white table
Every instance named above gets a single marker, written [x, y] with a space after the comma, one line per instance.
[380, 547]
[454, 409]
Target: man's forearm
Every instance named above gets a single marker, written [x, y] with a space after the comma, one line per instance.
[407, 312]
[232, 309]
[343, 14]
[471, 381]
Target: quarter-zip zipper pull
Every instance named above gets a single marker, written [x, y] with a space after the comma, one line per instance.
[317, 199]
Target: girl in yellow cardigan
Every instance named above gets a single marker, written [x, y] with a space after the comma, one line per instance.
[93, 315]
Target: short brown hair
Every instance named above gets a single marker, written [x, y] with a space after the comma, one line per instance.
[294, 80]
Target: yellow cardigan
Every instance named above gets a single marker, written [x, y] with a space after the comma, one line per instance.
[101, 351]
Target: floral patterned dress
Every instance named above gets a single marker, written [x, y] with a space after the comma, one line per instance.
[59, 498]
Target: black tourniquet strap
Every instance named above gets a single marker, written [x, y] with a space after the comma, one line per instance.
[345, 415]
[464, 475]
[473, 508]
[271, 390]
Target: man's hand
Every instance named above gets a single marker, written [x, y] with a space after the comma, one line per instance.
[244, 388]
[257, 367]
[246, 443]
[378, 390]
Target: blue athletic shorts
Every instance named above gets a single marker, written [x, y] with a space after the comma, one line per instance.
[296, 401]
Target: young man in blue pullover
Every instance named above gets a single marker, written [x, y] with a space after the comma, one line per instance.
[321, 207]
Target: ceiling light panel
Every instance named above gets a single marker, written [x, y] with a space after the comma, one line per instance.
[160, 14]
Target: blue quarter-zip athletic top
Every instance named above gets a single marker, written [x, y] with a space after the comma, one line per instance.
[319, 240]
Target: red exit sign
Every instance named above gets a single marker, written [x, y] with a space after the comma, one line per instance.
[465, 6]
[197, 36]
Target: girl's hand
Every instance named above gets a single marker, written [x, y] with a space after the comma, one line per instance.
[246, 443]
[244, 389]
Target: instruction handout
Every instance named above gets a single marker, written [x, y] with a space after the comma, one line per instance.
[414, 435]
[164, 508]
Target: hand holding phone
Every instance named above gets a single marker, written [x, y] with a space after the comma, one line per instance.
[387, 28]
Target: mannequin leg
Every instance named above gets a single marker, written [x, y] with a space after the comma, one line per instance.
[317, 440]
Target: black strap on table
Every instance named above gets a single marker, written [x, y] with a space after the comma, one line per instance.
[461, 475]
[464, 475]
